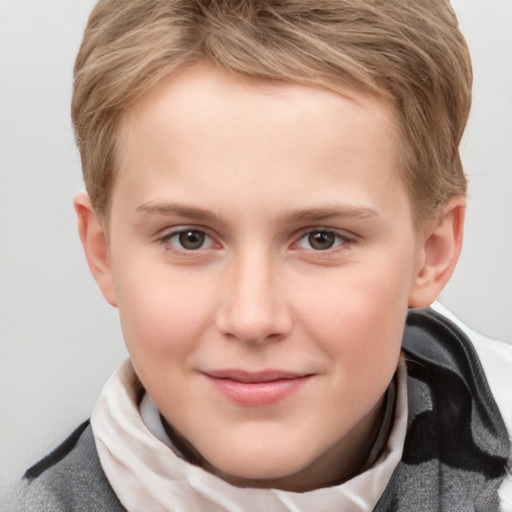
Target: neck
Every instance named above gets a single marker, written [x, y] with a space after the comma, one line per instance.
[344, 460]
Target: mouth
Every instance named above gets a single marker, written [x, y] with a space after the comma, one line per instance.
[256, 388]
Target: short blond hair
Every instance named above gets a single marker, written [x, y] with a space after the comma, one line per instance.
[410, 52]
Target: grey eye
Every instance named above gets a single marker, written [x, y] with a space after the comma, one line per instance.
[322, 240]
[191, 239]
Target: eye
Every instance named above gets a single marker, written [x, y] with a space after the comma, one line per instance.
[321, 240]
[188, 239]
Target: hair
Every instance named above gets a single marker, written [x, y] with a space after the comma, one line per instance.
[411, 53]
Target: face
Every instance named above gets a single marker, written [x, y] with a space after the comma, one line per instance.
[263, 254]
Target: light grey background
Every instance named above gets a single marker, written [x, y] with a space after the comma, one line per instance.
[59, 340]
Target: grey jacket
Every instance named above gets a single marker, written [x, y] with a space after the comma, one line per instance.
[455, 453]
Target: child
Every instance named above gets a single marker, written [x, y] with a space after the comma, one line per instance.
[271, 186]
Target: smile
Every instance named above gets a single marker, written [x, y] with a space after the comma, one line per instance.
[256, 389]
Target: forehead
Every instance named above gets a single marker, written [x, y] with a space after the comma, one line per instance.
[204, 126]
[204, 92]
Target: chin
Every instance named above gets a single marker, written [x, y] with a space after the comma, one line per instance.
[262, 476]
[268, 468]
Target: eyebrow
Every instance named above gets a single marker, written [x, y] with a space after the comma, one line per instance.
[300, 215]
[178, 209]
[347, 211]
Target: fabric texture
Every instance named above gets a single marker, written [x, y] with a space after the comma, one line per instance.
[70, 479]
[158, 478]
[457, 446]
[454, 454]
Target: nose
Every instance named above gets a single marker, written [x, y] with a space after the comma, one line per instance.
[254, 307]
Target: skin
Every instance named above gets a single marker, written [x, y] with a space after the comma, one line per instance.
[264, 171]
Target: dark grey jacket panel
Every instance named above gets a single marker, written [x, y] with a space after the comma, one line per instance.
[70, 479]
[455, 453]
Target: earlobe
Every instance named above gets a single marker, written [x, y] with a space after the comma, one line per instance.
[96, 248]
[439, 254]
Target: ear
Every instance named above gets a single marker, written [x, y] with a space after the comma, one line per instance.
[96, 247]
[440, 249]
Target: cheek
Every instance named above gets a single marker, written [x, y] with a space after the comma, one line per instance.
[163, 313]
[358, 316]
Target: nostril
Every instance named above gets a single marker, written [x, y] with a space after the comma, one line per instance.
[252, 308]
[265, 326]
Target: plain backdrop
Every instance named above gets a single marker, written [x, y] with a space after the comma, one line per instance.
[59, 340]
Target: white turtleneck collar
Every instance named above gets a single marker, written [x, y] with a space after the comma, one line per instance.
[148, 473]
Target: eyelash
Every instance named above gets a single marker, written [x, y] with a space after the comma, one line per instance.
[169, 245]
[341, 241]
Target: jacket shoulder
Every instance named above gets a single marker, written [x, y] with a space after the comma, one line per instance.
[69, 479]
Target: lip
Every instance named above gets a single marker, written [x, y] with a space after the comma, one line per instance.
[256, 388]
